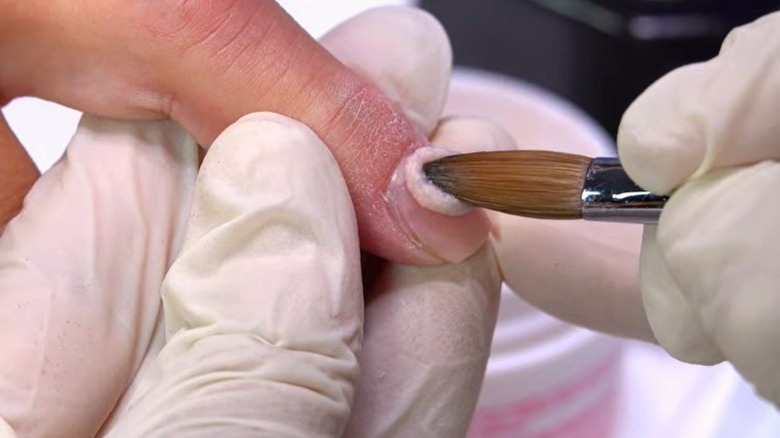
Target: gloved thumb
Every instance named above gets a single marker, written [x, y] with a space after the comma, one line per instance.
[708, 116]
[263, 307]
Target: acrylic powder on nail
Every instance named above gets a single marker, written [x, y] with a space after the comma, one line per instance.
[423, 191]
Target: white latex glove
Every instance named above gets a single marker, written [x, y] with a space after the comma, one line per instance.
[80, 273]
[262, 310]
[263, 307]
[710, 271]
[264, 300]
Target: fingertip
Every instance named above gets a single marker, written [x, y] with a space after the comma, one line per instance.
[271, 139]
[270, 203]
[266, 158]
[405, 52]
[449, 230]
[423, 190]
[449, 235]
[661, 139]
[424, 225]
[472, 134]
[462, 134]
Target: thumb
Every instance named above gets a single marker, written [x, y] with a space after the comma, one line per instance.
[708, 116]
[263, 308]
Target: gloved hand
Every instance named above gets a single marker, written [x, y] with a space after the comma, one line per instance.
[710, 273]
[261, 320]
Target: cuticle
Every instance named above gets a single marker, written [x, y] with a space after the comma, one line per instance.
[393, 211]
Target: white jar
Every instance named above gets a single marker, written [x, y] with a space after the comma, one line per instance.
[546, 378]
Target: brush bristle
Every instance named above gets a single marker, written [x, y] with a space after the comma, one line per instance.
[537, 184]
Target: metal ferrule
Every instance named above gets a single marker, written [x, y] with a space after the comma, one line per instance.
[610, 195]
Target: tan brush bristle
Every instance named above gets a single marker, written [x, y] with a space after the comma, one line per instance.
[538, 184]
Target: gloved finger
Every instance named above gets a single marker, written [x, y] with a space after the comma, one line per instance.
[263, 307]
[585, 273]
[17, 173]
[428, 332]
[707, 116]
[412, 68]
[675, 322]
[428, 335]
[471, 134]
[727, 259]
[80, 270]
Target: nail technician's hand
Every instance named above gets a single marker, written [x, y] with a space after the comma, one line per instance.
[262, 307]
[206, 63]
[708, 133]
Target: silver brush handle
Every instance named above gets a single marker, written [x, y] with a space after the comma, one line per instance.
[609, 195]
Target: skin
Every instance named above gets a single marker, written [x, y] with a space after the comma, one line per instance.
[17, 174]
[207, 63]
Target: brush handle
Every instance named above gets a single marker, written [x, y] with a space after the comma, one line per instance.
[609, 195]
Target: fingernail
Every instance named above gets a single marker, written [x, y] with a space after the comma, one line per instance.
[443, 227]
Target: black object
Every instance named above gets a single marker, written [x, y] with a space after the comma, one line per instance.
[600, 54]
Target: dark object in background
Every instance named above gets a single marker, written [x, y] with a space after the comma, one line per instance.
[600, 54]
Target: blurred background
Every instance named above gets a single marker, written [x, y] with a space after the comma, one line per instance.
[556, 74]
[599, 54]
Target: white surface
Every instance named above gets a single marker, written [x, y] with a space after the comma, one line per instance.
[44, 128]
